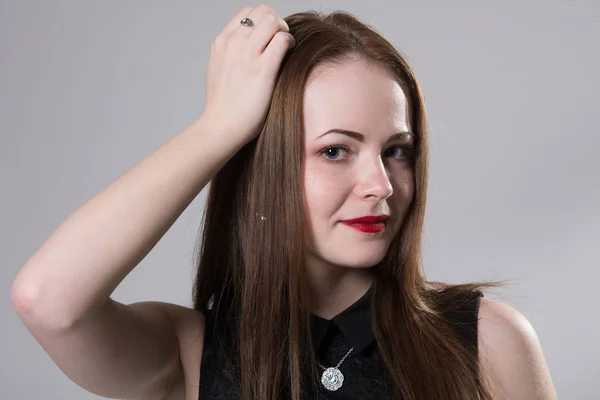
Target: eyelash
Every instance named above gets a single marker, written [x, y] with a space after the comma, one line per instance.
[410, 151]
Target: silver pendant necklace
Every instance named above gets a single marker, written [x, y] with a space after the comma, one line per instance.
[332, 378]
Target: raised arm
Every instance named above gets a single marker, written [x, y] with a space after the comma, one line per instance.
[62, 293]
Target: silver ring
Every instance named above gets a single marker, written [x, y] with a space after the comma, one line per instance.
[247, 22]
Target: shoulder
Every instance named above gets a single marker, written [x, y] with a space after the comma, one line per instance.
[510, 353]
[187, 322]
[189, 325]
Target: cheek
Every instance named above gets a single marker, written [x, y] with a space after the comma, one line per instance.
[403, 196]
[406, 189]
[404, 184]
[316, 193]
[322, 193]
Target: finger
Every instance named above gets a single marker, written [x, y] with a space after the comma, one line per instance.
[266, 29]
[234, 23]
[275, 51]
[243, 32]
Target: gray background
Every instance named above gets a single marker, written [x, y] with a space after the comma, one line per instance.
[88, 89]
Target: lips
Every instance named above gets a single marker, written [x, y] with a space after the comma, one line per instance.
[370, 219]
[368, 224]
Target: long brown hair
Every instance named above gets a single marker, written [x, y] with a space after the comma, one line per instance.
[252, 270]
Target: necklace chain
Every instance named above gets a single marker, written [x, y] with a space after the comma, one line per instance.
[341, 361]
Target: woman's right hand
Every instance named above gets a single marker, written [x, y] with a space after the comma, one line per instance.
[241, 74]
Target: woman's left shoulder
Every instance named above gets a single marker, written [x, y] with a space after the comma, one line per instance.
[511, 354]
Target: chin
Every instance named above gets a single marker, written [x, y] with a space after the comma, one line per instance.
[354, 262]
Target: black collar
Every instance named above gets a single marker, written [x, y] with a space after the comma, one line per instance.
[354, 322]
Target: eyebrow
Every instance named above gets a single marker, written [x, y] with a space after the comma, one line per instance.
[361, 138]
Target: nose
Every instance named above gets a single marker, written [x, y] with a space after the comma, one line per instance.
[374, 181]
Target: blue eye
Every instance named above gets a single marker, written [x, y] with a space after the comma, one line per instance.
[333, 151]
[395, 147]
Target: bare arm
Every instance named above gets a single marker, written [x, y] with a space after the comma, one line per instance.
[511, 354]
[62, 293]
[91, 252]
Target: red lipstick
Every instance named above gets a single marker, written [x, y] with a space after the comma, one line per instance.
[367, 224]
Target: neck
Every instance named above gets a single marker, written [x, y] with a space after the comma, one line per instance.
[335, 288]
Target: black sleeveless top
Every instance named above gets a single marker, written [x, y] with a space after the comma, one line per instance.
[365, 373]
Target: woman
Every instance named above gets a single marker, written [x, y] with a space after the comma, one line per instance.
[294, 297]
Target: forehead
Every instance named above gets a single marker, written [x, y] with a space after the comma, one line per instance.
[356, 95]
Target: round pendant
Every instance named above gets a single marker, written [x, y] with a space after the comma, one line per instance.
[332, 379]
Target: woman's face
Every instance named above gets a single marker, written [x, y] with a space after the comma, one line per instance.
[354, 178]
